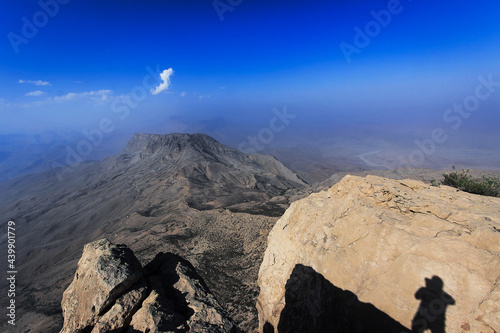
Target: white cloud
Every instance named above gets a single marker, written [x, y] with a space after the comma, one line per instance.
[183, 94]
[37, 82]
[165, 76]
[86, 99]
[35, 93]
[99, 95]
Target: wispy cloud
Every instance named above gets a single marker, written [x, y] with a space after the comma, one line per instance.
[183, 94]
[3, 104]
[35, 93]
[165, 77]
[99, 95]
[37, 82]
[72, 100]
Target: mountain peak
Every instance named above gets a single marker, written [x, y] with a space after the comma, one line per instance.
[151, 143]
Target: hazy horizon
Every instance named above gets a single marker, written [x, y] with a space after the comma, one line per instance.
[394, 81]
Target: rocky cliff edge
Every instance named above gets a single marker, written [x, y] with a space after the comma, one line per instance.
[378, 255]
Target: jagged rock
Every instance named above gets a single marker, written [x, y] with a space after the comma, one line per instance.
[179, 300]
[104, 273]
[112, 293]
[377, 242]
[120, 314]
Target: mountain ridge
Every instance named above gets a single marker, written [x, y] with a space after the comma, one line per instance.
[214, 209]
[205, 201]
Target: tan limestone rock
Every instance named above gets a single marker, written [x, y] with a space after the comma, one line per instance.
[390, 242]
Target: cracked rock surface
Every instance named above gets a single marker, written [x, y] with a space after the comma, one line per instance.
[380, 239]
[111, 292]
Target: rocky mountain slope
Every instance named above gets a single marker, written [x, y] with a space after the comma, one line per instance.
[378, 255]
[215, 175]
[180, 193]
[111, 292]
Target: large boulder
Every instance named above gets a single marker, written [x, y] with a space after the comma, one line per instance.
[105, 272]
[378, 255]
[111, 292]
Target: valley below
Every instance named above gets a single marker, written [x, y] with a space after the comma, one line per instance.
[185, 194]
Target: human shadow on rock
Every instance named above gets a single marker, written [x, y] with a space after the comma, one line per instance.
[314, 304]
[431, 314]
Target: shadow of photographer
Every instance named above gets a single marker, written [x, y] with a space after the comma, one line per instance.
[431, 313]
[314, 304]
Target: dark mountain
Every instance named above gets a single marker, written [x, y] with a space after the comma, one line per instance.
[213, 175]
[180, 193]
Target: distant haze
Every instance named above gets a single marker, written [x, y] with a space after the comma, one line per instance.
[365, 84]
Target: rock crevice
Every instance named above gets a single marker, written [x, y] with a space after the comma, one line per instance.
[112, 292]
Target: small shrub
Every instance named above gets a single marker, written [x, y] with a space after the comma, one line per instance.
[489, 186]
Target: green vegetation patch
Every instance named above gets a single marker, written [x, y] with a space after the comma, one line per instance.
[489, 186]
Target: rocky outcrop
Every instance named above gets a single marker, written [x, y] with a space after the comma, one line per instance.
[111, 292]
[378, 255]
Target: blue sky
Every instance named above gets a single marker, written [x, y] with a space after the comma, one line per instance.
[263, 54]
